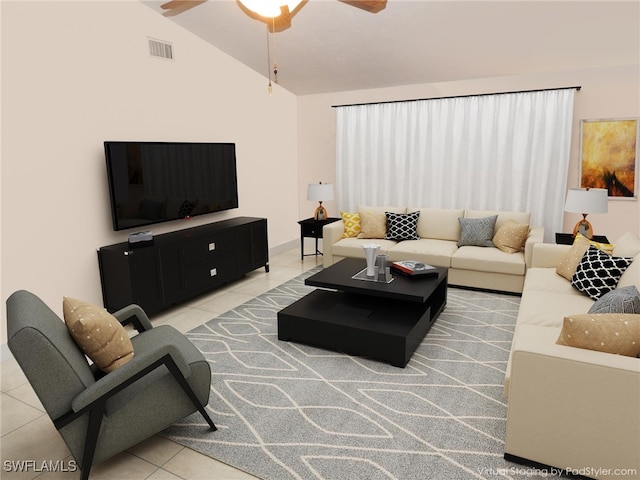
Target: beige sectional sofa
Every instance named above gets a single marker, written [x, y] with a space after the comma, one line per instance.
[439, 231]
[568, 407]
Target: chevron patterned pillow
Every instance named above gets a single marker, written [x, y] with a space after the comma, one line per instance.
[477, 231]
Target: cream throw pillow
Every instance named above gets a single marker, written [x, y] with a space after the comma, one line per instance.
[631, 275]
[628, 245]
[571, 260]
[372, 224]
[98, 333]
[373, 220]
[351, 223]
[511, 236]
[617, 333]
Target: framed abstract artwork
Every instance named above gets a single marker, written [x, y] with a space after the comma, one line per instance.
[609, 153]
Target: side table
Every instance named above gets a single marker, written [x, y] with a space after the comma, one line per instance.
[312, 228]
[567, 238]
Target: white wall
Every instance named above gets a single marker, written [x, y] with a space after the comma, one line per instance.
[75, 74]
[606, 93]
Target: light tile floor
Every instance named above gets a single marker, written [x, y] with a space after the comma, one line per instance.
[28, 435]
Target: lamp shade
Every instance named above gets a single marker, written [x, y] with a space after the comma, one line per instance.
[587, 201]
[320, 192]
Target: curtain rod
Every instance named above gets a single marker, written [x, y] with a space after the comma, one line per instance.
[578, 87]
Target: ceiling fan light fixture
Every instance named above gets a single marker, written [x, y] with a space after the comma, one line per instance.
[270, 8]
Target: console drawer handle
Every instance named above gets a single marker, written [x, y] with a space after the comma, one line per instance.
[212, 246]
[213, 272]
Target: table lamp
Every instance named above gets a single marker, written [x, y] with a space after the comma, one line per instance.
[320, 192]
[586, 201]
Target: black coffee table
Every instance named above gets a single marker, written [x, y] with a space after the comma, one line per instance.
[385, 321]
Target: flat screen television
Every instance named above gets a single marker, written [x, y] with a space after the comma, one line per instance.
[153, 182]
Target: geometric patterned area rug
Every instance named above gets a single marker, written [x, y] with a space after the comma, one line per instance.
[292, 411]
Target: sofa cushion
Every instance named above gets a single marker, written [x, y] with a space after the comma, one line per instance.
[547, 298]
[510, 237]
[617, 333]
[620, 300]
[352, 247]
[426, 250]
[571, 260]
[98, 333]
[439, 223]
[485, 259]
[598, 272]
[628, 245]
[373, 220]
[402, 226]
[477, 231]
[351, 223]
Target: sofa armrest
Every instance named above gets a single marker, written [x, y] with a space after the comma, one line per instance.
[536, 235]
[562, 396]
[331, 233]
[548, 255]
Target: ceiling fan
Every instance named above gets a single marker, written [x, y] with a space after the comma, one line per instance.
[278, 13]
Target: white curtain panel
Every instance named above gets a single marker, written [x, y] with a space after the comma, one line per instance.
[490, 152]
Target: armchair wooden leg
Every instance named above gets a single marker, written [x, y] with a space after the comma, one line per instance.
[207, 418]
[93, 430]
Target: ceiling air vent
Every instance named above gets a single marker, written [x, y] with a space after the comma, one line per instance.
[160, 49]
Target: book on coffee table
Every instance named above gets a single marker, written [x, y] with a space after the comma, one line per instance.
[413, 268]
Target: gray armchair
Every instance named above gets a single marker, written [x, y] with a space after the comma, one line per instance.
[100, 415]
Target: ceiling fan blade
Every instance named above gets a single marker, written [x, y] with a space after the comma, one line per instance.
[175, 7]
[371, 6]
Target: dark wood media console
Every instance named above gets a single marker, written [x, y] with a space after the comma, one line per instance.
[181, 265]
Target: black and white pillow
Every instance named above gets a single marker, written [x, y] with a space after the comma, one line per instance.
[598, 272]
[620, 300]
[402, 226]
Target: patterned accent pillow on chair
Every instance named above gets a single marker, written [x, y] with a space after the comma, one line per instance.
[402, 226]
[598, 272]
[98, 333]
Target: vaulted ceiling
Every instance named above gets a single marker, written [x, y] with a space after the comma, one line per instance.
[332, 46]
